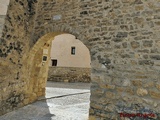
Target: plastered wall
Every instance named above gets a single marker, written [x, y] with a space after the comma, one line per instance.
[61, 51]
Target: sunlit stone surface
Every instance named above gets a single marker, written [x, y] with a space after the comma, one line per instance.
[63, 102]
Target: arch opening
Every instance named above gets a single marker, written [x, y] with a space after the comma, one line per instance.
[37, 64]
[69, 60]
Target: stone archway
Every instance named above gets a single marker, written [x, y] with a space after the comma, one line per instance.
[35, 69]
[124, 45]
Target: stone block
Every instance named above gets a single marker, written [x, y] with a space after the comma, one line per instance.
[154, 94]
[110, 108]
[139, 8]
[92, 118]
[149, 84]
[110, 95]
[138, 20]
[130, 91]
[146, 62]
[147, 43]
[158, 86]
[135, 44]
[157, 23]
[107, 86]
[155, 57]
[137, 83]
[138, 2]
[142, 92]
[96, 106]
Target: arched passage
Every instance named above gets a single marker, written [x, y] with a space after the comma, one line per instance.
[69, 60]
[36, 67]
[124, 44]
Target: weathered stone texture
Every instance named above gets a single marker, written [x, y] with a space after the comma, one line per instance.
[123, 39]
[14, 46]
[69, 74]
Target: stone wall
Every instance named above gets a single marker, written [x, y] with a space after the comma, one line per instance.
[69, 74]
[14, 47]
[123, 39]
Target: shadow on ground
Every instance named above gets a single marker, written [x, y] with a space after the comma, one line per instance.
[62, 102]
[36, 111]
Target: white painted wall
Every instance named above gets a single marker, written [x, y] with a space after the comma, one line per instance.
[61, 50]
[3, 6]
[3, 11]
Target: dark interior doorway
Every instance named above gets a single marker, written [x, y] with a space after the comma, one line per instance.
[54, 62]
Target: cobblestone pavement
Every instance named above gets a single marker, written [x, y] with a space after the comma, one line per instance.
[63, 101]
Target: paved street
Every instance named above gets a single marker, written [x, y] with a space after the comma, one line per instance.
[63, 101]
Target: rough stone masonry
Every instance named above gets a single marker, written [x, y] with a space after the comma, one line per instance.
[69, 74]
[123, 39]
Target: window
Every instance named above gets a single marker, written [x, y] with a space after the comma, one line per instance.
[73, 50]
[44, 58]
[54, 62]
